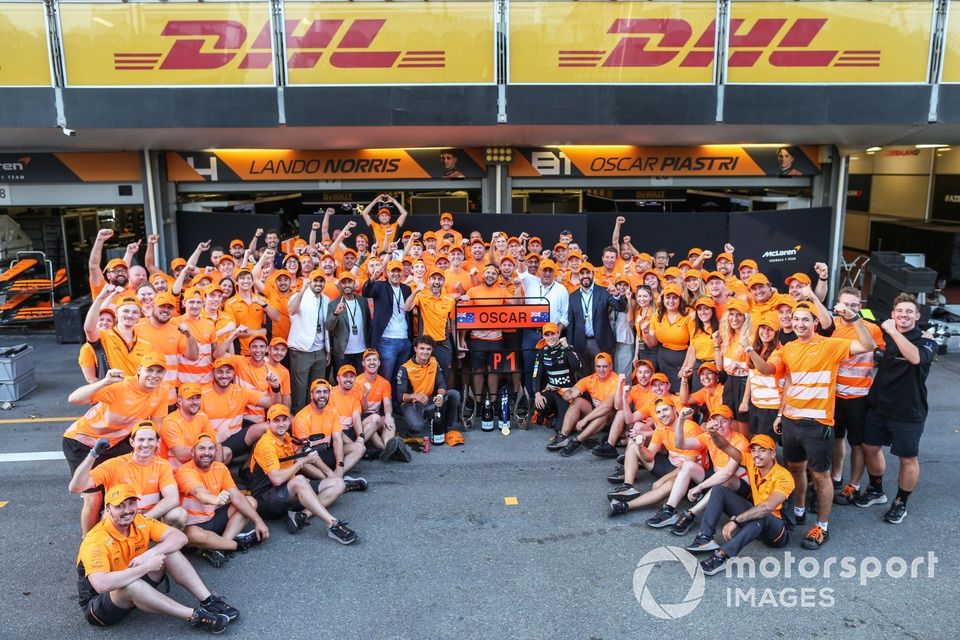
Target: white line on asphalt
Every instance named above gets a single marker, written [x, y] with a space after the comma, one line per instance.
[31, 456]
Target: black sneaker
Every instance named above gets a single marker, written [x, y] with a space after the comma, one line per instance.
[214, 557]
[800, 519]
[339, 532]
[570, 447]
[624, 493]
[618, 508]
[216, 604]
[703, 543]
[404, 454]
[604, 450]
[390, 448]
[617, 476]
[296, 520]
[713, 564]
[212, 622]
[815, 538]
[896, 512]
[837, 484]
[665, 517]
[847, 496]
[870, 497]
[683, 524]
[246, 540]
[558, 443]
[355, 484]
[621, 458]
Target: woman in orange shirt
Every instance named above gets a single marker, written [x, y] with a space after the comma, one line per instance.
[652, 279]
[733, 359]
[761, 399]
[701, 350]
[641, 309]
[693, 288]
[671, 328]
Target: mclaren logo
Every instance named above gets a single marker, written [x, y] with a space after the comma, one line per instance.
[14, 170]
[781, 253]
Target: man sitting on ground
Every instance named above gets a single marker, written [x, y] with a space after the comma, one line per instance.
[591, 407]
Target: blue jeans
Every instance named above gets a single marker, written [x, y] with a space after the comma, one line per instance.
[393, 353]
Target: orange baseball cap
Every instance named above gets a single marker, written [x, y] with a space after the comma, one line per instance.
[163, 298]
[189, 389]
[513, 240]
[346, 369]
[283, 272]
[748, 263]
[237, 242]
[201, 437]
[739, 305]
[369, 351]
[659, 377]
[685, 263]
[722, 410]
[650, 272]
[532, 256]
[153, 360]
[672, 271]
[560, 245]
[430, 235]
[550, 327]
[603, 355]
[224, 361]
[244, 271]
[771, 319]
[145, 424]
[534, 239]
[453, 438]
[786, 300]
[213, 287]
[507, 259]
[191, 292]
[672, 288]
[278, 340]
[622, 277]
[714, 275]
[118, 494]
[317, 274]
[437, 272]
[277, 410]
[547, 264]
[725, 256]
[343, 276]
[226, 258]
[319, 382]
[394, 264]
[127, 299]
[695, 251]
[585, 266]
[116, 263]
[446, 215]
[757, 278]
[709, 366]
[705, 302]
[177, 262]
[644, 257]
[692, 273]
[802, 278]
[763, 441]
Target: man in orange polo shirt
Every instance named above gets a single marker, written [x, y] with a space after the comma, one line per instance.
[116, 272]
[103, 432]
[446, 232]
[204, 333]
[180, 429]
[249, 309]
[379, 427]
[770, 486]
[435, 309]
[216, 510]
[225, 402]
[256, 371]
[346, 401]
[119, 571]
[171, 339]
[149, 475]
[591, 406]
[122, 345]
[423, 394]
[279, 488]
[318, 424]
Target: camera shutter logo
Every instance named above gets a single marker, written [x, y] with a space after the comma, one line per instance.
[668, 611]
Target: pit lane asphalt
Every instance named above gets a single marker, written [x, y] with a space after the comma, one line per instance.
[441, 555]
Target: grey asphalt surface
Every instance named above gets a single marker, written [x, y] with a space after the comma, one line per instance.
[440, 555]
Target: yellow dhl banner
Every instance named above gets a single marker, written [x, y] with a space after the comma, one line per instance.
[829, 42]
[24, 59]
[230, 43]
[769, 42]
[951, 48]
[615, 42]
[389, 43]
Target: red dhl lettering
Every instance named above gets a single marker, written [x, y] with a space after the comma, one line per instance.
[213, 44]
[652, 42]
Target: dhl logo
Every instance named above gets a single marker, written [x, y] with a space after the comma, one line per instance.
[747, 45]
[212, 44]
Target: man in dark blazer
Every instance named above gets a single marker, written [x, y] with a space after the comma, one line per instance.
[348, 321]
[392, 324]
[589, 328]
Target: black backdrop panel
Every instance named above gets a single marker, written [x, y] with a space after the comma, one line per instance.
[194, 228]
[648, 231]
[946, 198]
[546, 226]
[858, 192]
[782, 242]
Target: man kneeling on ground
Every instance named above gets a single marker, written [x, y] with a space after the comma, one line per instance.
[591, 414]
[421, 387]
[216, 510]
[119, 571]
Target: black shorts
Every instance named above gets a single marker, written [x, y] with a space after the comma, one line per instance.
[733, 389]
[75, 452]
[760, 422]
[237, 443]
[850, 418]
[276, 501]
[102, 611]
[804, 441]
[661, 465]
[482, 355]
[903, 437]
[218, 522]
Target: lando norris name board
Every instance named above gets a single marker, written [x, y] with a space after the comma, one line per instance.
[501, 316]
